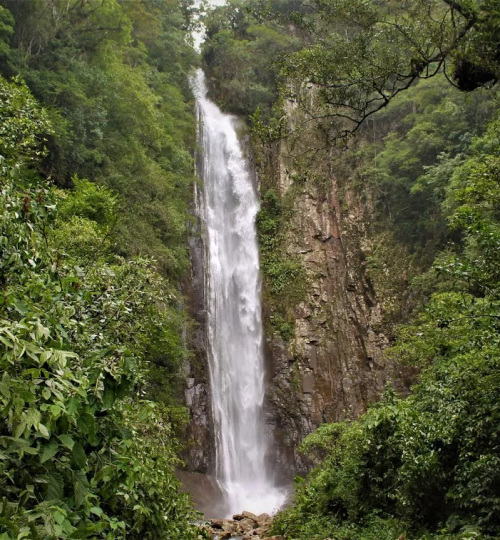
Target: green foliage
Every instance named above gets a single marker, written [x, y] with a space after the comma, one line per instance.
[91, 202]
[83, 453]
[114, 77]
[241, 55]
[284, 275]
[434, 126]
[403, 169]
[363, 54]
[427, 466]
[21, 121]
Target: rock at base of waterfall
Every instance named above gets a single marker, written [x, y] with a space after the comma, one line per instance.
[261, 520]
[249, 515]
[264, 520]
[246, 525]
[217, 523]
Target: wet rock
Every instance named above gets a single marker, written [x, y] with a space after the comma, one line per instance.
[308, 383]
[198, 437]
[246, 524]
[264, 520]
[251, 516]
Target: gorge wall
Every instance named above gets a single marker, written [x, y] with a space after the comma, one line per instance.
[333, 365]
[199, 440]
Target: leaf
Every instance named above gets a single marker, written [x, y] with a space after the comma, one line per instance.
[55, 487]
[60, 357]
[26, 395]
[4, 390]
[33, 372]
[109, 397]
[45, 356]
[49, 451]
[85, 531]
[79, 456]
[55, 410]
[4, 385]
[67, 440]
[43, 430]
[33, 418]
[21, 307]
[71, 406]
[81, 487]
[19, 429]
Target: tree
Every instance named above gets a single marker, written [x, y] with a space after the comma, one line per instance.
[364, 53]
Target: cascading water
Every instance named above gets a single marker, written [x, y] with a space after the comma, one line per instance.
[228, 208]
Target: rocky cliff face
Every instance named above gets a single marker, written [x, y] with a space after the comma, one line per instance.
[333, 366]
[198, 438]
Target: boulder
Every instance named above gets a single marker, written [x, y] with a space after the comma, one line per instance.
[264, 520]
[251, 516]
[245, 525]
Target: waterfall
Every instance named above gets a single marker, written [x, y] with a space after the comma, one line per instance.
[228, 206]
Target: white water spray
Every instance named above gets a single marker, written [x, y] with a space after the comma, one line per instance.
[228, 209]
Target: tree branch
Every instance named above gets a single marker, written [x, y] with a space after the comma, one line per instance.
[466, 13]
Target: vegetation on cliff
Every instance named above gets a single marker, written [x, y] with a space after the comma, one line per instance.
[364, 54]
[240, 52]
[428, 462]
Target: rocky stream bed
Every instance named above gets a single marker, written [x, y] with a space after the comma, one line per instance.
[242, 527]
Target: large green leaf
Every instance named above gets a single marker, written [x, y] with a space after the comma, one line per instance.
[67, 440]
[81, 487]
[79, 456]
[55, 487]
[49, 450]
